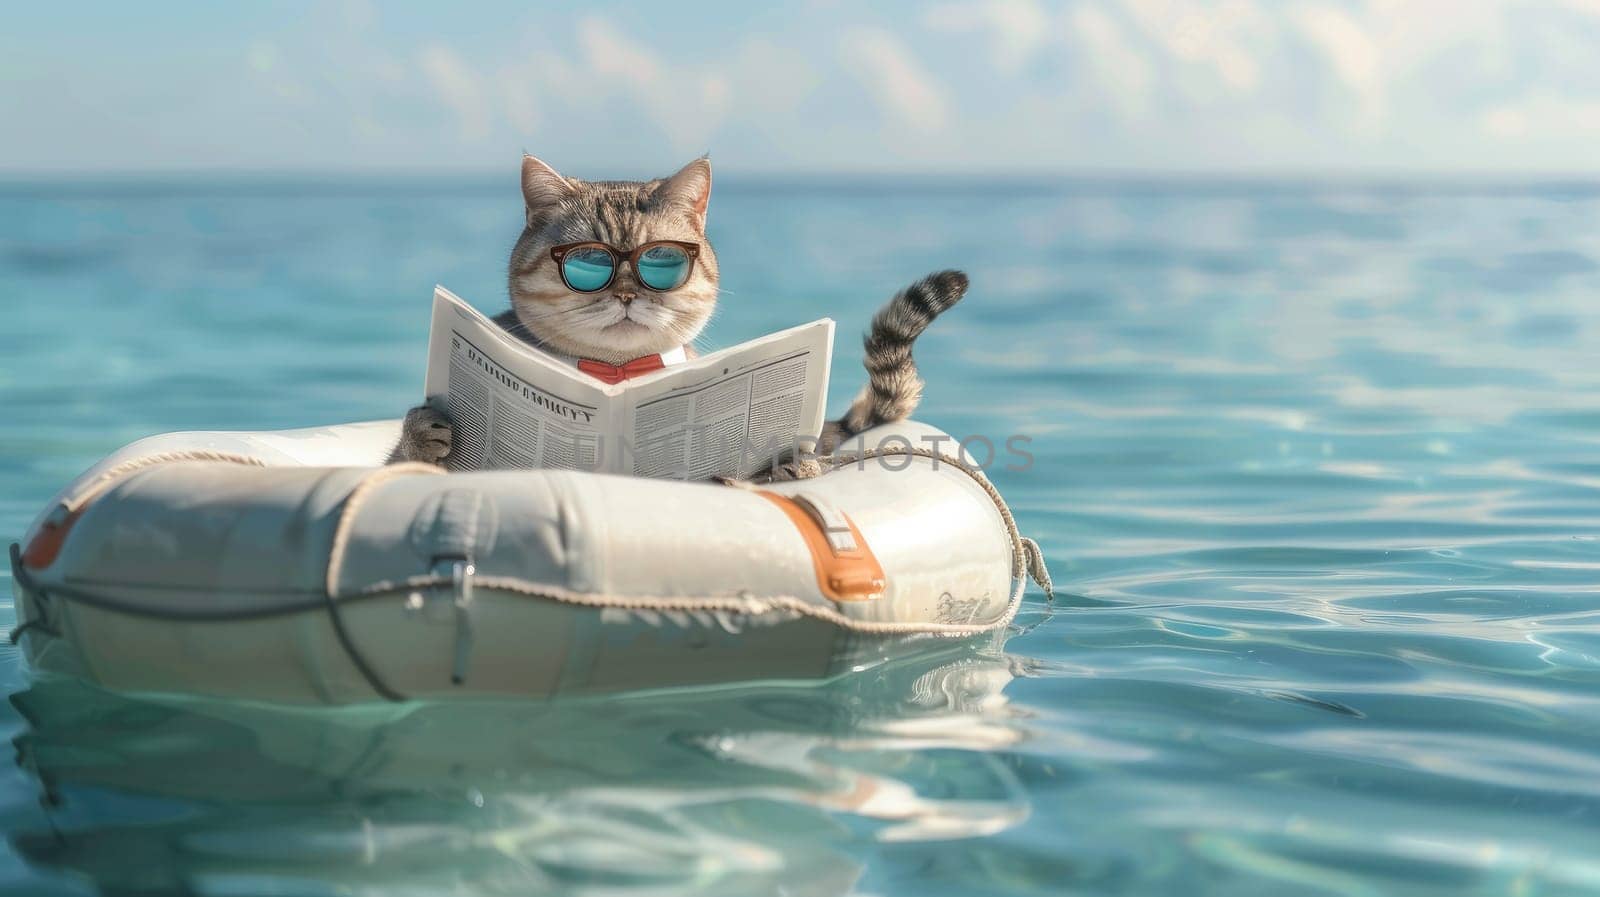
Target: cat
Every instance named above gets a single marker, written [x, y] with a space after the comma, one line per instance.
[626, 320]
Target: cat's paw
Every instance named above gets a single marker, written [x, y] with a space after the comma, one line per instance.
[796, 469]
[425, 436]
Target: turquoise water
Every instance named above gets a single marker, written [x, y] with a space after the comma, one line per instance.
[1317, 469]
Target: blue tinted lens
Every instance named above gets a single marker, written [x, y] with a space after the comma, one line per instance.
[664, 267]
[586, 270]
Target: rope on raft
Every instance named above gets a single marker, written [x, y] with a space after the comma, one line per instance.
[1027, 563]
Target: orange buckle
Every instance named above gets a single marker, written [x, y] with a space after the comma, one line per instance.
[847, 570]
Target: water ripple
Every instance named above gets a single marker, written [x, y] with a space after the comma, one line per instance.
[1315, 467]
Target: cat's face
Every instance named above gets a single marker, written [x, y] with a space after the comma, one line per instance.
[626, 319]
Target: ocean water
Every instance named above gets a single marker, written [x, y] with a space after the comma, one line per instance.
[1316, 468]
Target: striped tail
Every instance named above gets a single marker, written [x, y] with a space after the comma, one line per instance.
[893, 388]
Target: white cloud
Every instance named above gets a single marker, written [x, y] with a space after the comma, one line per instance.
[906, 92]
[521, 98]
[262, 56]
[359, 15]
[610, 55]
[1017, 29]
[771, 77]
[1349, 47]
[1228, 85]
[458, 87]
[686, 103]
[1120, 69]
[1588, 7]
[1355, 57]
[1408, 35]
[1222, 38]
[1543, 116]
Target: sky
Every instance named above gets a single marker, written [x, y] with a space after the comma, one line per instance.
[948, 86]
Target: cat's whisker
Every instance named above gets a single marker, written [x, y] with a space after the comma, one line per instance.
[527, 319]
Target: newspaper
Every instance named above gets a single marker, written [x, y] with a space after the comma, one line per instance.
[729, 413]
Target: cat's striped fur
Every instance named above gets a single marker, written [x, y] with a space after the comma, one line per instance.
[626, 321]
[894, 389]
[611, 326]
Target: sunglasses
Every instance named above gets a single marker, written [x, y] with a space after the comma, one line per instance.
[591, 267]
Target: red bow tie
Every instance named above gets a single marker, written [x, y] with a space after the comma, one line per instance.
[616, 373]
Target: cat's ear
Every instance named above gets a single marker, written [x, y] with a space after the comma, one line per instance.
[689, 189]
[543, 189]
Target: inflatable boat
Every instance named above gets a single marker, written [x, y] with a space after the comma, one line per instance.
[294, 566]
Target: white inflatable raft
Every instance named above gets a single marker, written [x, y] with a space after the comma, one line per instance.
[291, 566]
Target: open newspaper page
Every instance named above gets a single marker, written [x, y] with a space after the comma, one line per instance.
[728, 413]
[732, 412]
[510, 406]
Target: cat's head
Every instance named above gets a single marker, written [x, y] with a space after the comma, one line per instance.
[626, 319]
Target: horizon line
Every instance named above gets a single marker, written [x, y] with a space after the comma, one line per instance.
[34, 181]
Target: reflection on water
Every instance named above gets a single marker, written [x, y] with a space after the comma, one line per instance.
[752, 790]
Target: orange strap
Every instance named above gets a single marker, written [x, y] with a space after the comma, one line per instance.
[42, 551]
[847, 574]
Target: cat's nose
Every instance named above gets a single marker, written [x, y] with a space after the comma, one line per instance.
[626, 297]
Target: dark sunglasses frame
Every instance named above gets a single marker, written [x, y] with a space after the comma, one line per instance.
[559, 253]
